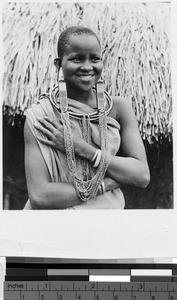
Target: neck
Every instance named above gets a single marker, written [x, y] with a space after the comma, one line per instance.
[87, 97]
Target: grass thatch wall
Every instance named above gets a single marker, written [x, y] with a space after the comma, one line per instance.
[135, 42]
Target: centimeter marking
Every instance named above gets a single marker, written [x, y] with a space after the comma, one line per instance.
[56, 290]
[85, 295]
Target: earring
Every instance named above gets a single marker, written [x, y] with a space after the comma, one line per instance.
[62, 92]
[57, 62]
[100, 95]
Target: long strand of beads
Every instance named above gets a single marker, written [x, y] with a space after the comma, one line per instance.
[86, 187]
[85, 164]
[86, 190]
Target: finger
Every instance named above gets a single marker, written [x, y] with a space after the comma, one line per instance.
[44, 130]
[52, 122]
[46, 142]
[46, 124]
[56, 124]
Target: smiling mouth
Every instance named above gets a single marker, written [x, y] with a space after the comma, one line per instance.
[85, 77]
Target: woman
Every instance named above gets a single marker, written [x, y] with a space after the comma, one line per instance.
[80, 144]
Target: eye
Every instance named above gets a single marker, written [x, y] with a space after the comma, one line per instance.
[96, 58]
[76, 59]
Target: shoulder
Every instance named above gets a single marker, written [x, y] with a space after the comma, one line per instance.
[40, 101]
[39, 108]
[121, 109]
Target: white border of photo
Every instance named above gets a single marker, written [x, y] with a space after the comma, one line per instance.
[2, 275]
[101, 234]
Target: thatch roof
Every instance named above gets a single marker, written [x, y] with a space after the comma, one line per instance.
[135, 42]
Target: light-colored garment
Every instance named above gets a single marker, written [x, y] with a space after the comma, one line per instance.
[56, 161]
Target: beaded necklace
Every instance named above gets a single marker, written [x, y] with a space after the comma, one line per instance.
[93, 116]
[86, 186]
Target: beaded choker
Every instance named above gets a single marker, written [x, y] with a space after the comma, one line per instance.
[55, 99]
[88, 184]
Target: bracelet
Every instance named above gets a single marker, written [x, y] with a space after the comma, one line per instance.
[98, 158]
[100, 190]
[103, 187]
[95, 155]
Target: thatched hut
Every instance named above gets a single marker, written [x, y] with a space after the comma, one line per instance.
[135, 42]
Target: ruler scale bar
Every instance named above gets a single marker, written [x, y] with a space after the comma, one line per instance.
[89, 291]
[73, 295]
[102, 261]
[22, 271]
[110, 272]
[48, 272]
[76, 272]
[110, 278]
[76, 285]
[151, 272]
[91, 296]
[45, 265]
[47, 278]
[91, 278]
[152, 278]
[56, 280]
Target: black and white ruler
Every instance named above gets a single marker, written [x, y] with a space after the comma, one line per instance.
[84, 290]
[51, 279]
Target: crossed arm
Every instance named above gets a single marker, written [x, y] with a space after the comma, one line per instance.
[131, 168]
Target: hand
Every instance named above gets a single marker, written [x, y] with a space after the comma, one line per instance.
[53, 131]
[55, 135]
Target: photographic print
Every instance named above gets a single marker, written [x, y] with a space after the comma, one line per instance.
[87, 106]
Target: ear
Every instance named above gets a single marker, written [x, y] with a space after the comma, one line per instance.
[57, 62]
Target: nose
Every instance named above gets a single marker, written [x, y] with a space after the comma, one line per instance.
[86, 66]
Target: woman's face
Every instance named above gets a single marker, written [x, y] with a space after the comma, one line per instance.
[82, 63]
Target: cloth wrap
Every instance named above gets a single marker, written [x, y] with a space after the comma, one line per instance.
[56, 160]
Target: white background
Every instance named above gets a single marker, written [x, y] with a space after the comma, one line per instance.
[94, 234]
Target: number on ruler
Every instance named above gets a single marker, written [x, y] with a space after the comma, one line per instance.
[60, 297]
[116, 297]
[140, 287]
[42, 297]
[134, 297]
[93, 286]
[79, 297]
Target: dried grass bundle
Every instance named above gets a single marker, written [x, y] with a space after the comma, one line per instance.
[135, 47]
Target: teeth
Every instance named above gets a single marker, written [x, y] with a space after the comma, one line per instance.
[86, 77]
